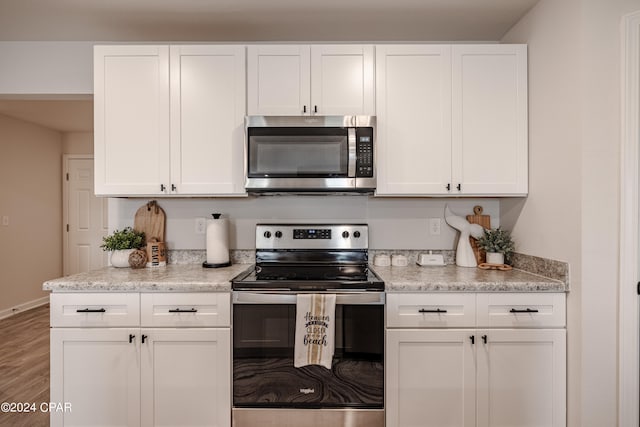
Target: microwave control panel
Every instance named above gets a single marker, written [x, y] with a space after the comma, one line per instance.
[364, 152]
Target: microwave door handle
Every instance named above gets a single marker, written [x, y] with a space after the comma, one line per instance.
[351, 139]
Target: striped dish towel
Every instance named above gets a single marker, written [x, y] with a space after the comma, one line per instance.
[315, 330]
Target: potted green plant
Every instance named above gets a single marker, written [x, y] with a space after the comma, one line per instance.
[498, 245]
[121, 243]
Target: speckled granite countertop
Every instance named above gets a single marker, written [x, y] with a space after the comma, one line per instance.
[195, 278]
[172, 278]
[450, 278]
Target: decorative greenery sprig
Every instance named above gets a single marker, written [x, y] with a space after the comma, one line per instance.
[497, 240]
[128, 238]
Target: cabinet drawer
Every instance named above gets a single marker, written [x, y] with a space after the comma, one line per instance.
[431, 310]
[95, 309]
[186, 309]
[525, 310]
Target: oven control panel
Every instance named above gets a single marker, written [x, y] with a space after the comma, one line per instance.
[312, 233]
[315, 236]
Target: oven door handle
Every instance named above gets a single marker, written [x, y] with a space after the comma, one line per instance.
[355, 298]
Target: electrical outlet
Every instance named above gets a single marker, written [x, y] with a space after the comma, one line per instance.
[201, 225]
[434, 226]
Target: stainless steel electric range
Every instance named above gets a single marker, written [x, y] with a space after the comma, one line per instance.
[308, 258]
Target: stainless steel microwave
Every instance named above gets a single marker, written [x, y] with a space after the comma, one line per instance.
[310, 154]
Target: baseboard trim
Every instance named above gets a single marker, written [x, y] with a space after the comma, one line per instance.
[8, 312]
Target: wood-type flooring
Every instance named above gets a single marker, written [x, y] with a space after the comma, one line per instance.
[24, 367]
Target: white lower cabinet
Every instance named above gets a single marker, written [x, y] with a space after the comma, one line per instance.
[476, 376]
[430, 378]
[95, 372]
[140, 375]
[185, 377]
[521, 378]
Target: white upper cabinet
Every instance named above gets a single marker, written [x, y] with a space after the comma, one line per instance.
[342, 80]
[160, 135]
[207, 117]
[307, 80]
[131, 119]
[414, 119]
[278, 80]
[451, 120]
[489, 119]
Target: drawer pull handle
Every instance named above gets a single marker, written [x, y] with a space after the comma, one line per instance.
[473, 339]
[144, 337]
[484, 339]
[131, 337]
[528, 310]
[437, 310]
[91, 310]
[179, 310]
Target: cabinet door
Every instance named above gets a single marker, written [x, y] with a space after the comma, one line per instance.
[342, 80]
[207, 118]
[430, 378]
[278, 80]
[186, 377]
[413, 104]
[96, 371]
[522, 378]
[489, 89]
[131, 120]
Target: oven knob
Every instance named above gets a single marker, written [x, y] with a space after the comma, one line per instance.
[267, 234]
[278, 234]
[356, 234]
[345, 234]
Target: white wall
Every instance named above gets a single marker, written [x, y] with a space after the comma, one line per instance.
[46, 68]
[573, 208]
[548, 223]
[395, 223]
[31, 197]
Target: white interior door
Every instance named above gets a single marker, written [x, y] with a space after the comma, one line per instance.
[86, 218]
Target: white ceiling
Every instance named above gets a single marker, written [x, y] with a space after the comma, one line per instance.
[240, 20]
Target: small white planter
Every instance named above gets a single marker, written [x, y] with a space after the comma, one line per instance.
[120, 258]
[495, 258]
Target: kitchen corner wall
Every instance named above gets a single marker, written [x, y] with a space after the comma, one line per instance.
[395, 223]
[31, 200]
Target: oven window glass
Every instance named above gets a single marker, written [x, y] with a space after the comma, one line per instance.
[263, 349]
[297, 152]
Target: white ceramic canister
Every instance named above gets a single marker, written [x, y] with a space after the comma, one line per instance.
[217, 243]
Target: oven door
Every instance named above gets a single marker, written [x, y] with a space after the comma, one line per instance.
[263, 349]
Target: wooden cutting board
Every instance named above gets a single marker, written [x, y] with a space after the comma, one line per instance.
[150, 218]
[483, 220]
